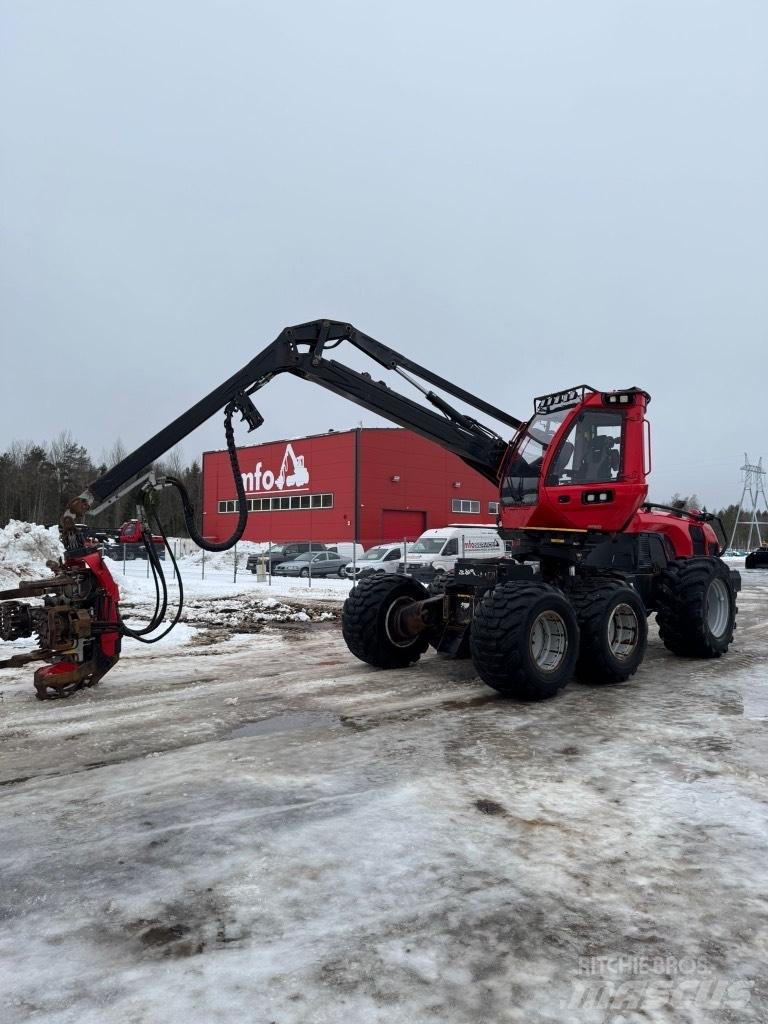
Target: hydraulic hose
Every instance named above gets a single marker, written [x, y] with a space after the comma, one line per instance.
[188, 508]
[158, 575]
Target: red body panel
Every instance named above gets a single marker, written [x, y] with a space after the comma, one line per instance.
[107, 604]
[678, 530]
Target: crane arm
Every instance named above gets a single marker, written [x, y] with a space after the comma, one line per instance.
[79, 627]
[300, 350]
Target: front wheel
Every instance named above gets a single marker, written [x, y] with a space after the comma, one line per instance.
[369, 621]
[524, 640]
[696, 602]
[304, 573]
[614, 631]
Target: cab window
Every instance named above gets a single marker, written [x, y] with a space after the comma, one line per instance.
[395, 553]
[591, 451]
[451, 547]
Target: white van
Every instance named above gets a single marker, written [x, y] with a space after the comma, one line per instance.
[346, 549]
[441, 548]
[382, 558]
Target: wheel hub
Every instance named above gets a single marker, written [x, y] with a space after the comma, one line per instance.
[623, 631]
[548, 641]
[718, 610]
[402, 622]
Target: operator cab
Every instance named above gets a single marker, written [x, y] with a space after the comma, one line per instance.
[579, 463]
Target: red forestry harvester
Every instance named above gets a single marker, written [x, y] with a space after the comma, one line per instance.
[591, 558]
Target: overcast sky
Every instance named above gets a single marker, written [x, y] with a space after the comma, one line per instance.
[522, 196]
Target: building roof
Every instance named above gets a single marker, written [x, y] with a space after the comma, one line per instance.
[308, 437]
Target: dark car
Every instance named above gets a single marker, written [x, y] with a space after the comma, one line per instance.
[757, 559]
[313, 563]
[282, 553]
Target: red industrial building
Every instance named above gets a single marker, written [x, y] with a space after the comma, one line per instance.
[368, 484]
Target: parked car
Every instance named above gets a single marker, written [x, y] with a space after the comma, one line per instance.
[757, 559]
[382, 558]
[315, 563]
[279, 553]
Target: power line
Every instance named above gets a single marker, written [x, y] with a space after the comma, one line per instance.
[753, 491]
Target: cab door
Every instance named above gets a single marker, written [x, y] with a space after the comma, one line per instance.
[587, 483]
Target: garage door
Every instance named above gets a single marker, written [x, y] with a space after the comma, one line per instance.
[399, 524]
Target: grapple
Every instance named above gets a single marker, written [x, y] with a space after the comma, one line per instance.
[74, 619]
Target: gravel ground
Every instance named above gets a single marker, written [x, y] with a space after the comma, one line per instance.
[254, 827]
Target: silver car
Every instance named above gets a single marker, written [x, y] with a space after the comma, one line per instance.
[314, 563]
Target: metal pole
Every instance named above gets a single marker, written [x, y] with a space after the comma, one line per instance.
[311, 556]
[123, 558]
[235, 576]
[405, 556]
[202, 577]
[354, 564]
[269, 563]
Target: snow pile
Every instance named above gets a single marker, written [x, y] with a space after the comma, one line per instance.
[221, 560]
[24, 550]
[249, 615]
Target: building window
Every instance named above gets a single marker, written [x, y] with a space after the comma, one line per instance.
[284, 503]
[493, 508]
[465, 505]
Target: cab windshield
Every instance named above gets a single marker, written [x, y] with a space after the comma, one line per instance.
[520, 483]
[428, 546]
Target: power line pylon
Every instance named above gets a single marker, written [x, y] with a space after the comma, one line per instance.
[754, 490]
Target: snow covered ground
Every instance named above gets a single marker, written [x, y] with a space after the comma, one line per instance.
[245, 824]
[220, 582]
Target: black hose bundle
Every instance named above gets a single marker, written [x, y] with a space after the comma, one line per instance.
[188, 508]
[161, 586]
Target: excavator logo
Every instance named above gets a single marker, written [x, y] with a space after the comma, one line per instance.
[293, 473]
[300, 475]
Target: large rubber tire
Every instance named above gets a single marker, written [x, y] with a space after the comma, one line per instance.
[696, 607]
[613, 629]
[304, 573]
[364, 621]
[506, 635]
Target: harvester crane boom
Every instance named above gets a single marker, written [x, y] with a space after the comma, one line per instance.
[300, 350]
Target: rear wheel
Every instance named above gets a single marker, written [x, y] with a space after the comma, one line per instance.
[304, 573]
[696, 607]
[525, 640]
[613, 629]
[369, 621]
